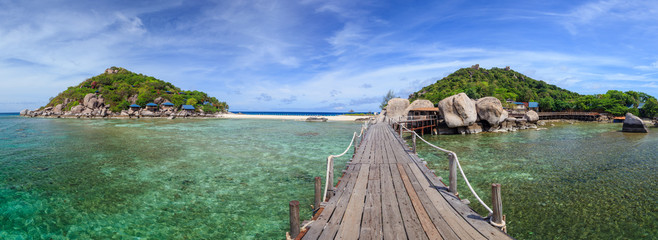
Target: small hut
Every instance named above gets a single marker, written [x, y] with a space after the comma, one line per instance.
[151, 106]
[533, 106]
[188, 108]
[134, 107]
[167, 105]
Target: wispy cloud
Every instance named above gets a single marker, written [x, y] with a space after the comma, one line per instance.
[322, 55]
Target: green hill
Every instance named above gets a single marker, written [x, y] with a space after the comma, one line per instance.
[507, 84]
[119, 86]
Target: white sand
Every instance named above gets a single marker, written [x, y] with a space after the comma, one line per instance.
[288, 117]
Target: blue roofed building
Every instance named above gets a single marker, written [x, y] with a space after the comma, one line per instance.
[533, 106]
[188, 108]
[134, 106]
[151, 106]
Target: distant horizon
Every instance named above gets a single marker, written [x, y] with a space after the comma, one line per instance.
[323, 56]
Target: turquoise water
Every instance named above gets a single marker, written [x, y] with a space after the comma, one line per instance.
[232, 179]
[580, 181]
[159, 179]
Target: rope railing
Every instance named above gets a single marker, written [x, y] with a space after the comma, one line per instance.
[329, 179]
[454, 155]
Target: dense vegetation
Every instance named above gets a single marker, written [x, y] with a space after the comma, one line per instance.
[506, 84]
[117, 88]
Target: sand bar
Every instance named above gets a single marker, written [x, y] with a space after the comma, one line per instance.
[291, 117]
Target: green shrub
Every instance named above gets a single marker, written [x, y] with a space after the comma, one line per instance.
[71, 105]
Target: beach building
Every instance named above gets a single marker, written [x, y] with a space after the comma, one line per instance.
[151, 106]
[533, 106]
[167, 105]
[188, 108]
[134, 107]
[519, 106]
[422, 120]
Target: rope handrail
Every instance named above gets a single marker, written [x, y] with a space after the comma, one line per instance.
[331, 158]
[458, 165]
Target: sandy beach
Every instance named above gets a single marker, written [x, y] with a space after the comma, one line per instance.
[290, 117]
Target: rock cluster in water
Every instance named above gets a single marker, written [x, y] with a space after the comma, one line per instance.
[93, 106]
[463, 115]
[633, 123]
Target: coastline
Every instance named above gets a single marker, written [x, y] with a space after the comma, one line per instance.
[337, 118]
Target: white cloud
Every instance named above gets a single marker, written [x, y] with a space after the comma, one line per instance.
[601, 13]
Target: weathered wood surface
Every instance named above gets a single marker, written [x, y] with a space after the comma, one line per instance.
[387, 193]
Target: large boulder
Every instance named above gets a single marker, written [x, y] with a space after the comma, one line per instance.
[490, 109]
[160, 100]
[90, 100]
[458, 111]
[395, 108]
[420, 103]
[77, 109]
[133, 99]
[531, 116]
[633, 123]
[24, 112]
[58, 109]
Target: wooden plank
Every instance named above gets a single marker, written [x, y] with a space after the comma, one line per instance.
[409, 217]
[456, 222]
[438, 218]
[462, 210]
[350, 226]
[425, 221]
[371, 224]
[329, 212]
[392, 225]
[334, 223]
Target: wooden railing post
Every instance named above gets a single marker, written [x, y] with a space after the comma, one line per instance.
[497, 204]
[294, 218]
[330, 180]
[453, 173]
[318, 194]
[413, 139]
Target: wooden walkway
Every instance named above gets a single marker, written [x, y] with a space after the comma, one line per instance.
[387, 193]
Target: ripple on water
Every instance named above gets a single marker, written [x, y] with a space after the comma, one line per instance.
[158, 178]
[581, 181]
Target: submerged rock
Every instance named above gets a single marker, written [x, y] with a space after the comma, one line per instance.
[316, 119]
[633, 123]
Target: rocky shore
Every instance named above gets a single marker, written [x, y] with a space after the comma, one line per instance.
[93, 106]
[462, 115]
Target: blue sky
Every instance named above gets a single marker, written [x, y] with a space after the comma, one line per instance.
[318, 55]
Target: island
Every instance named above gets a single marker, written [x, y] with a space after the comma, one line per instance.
[119, 93]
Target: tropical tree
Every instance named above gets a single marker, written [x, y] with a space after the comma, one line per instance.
[390, 95]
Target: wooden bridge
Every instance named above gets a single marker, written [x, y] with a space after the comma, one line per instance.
[387, 192]
[582, 116]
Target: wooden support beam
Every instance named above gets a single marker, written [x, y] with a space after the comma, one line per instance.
[294, 218]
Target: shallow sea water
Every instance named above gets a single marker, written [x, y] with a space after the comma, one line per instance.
[232, 179]
[159, 178]
[580, 181]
